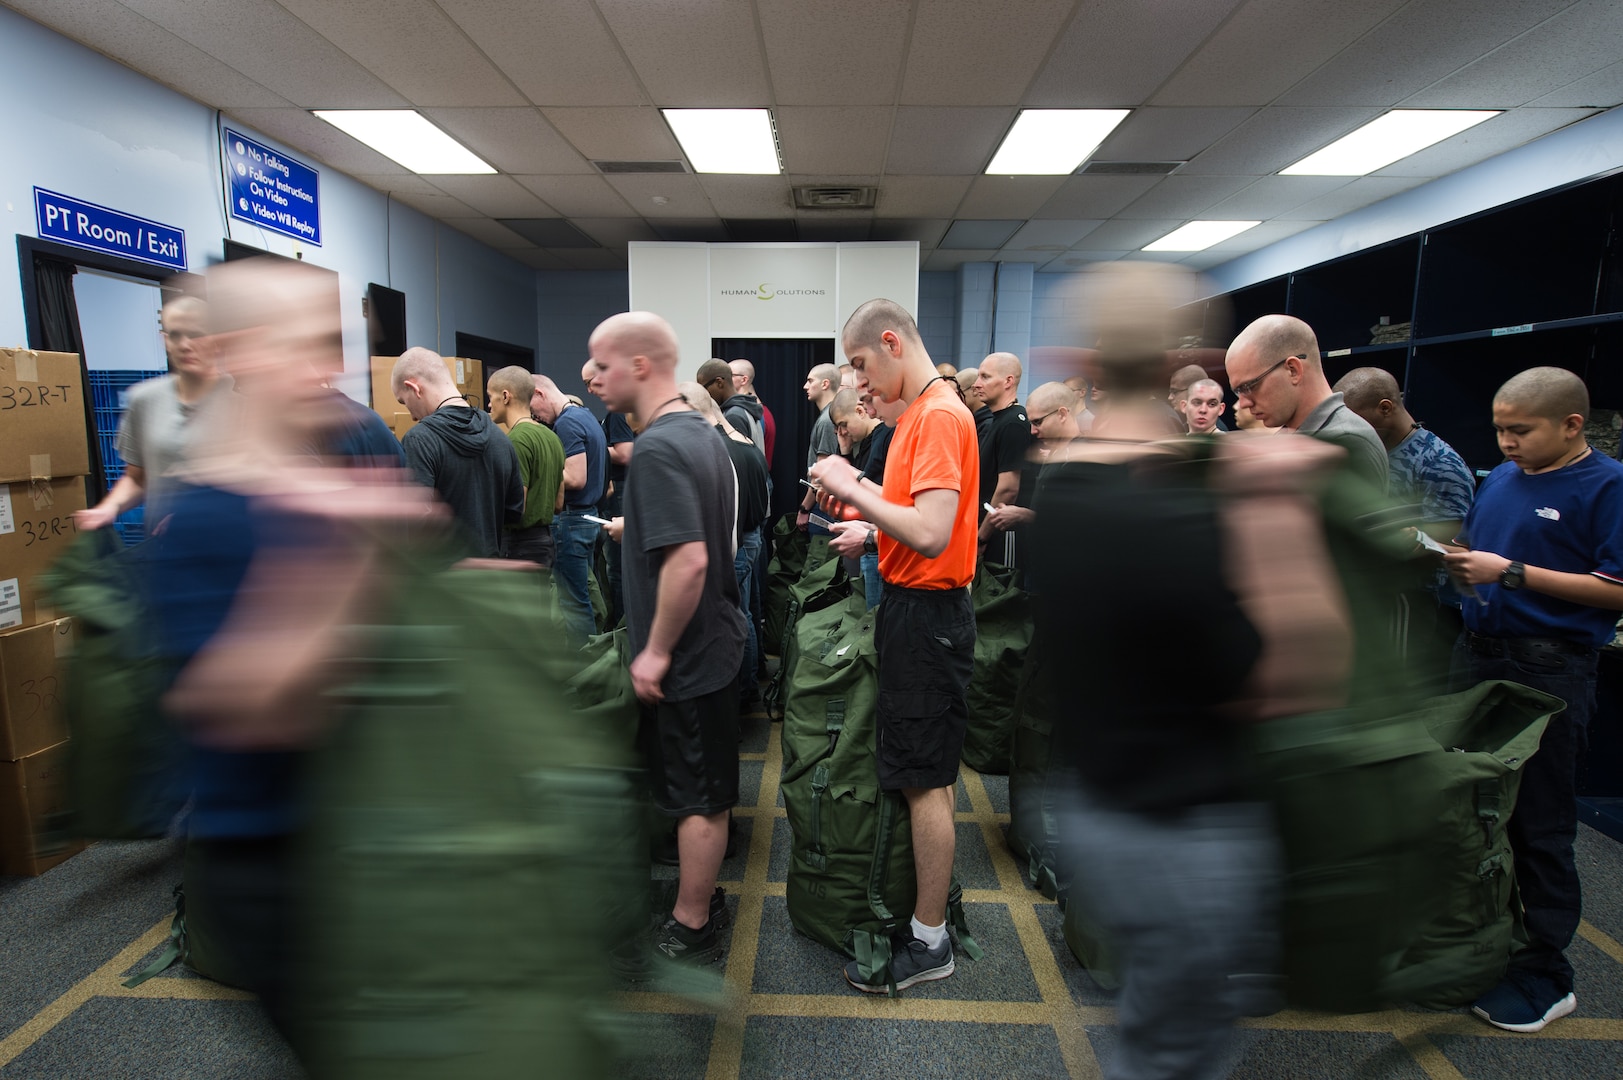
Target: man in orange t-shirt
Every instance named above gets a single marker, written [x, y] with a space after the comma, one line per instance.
[923, 524]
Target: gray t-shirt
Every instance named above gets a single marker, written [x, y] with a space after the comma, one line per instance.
[1332, 421]
[680, 488]
[824, 439]
[157, 432]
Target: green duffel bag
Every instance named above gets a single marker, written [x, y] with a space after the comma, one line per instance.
[125, 763]
[468, 845]
[795, 554]
[1003, 623]
[821, 588]
[1033, 833]
[1486, 734]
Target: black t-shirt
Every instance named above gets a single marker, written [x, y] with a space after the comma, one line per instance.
[749, 466]
[680, 489]
[878, 447]
[616, 430]
[1004, 446]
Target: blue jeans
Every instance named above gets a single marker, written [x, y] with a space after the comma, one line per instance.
[1191, 904]
[749, 551]
[873, 586]
[573, 540]
[1544, 824]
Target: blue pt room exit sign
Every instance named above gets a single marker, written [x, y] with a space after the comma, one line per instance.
[101, 228]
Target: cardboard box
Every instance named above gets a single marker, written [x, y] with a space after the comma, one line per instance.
[33, 810]
[42, 416]
[36, 527]
[31, 717]
[469, 376]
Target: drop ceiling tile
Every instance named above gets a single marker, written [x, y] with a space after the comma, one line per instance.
[1489, 138]
[976, 54]
[536, 259]
[1151, 134]
[1260, 237]
[577, 259]
[1271, 196]
[684, 197]
[1155, 256]
[1051, 235]
[927, 231]
[513, 140]
[578, 196]
[269, 45]
[827, 226]
[748, 196]
[488, 232]
[1354, 195]
[616, 134]
[436, 206]
[1075, 261]
[139, 43]
[557, 53]
[1119, 235]
[1112, 56]
[1081, 197]
[398, 182]
[494, 196]
[1275, 138]
[1571, 45]
[922, 196]
[412, 46]
[307, 135]
[616, 232]
[834, 179]
[971, 235]
[551, 233]
[1420, 44]
[692, 55]
[928, 141]
[1266, 47]
[1603, 89]
[952, 260]
[1008, 196]
[1183, 196]
[846, 140]
[835, 52]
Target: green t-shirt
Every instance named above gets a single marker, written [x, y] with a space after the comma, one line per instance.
[541, 466]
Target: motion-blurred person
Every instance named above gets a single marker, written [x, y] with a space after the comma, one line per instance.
[1054, 428]
[574, 539]
[1173, 861]
[259, 573]
[1203, 407]
[822, 382]
[741, 411]
[540, 463]
[923, 524]
[1085, 398]
[848, 377]
[749, 470]
[1544, 549]
[682, 613]
[457, 451]
[1426, 473]
[157, 429]
[1274, 368]
[619, 437]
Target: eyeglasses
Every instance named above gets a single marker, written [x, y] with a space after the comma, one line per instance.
[1249, 387]
[1037, 421]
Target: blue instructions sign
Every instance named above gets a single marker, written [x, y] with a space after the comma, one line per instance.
[100, 228]
[272, 190]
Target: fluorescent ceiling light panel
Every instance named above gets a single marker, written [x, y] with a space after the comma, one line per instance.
[1052, 142]
[1387, 138]
[406, 137]
[736, 141]
[1200, 235]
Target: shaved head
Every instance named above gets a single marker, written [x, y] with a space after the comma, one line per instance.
[1366, 387]
[744, 368]
[844, 405]
[701, 401]
[713, 369]
[639, 333]
[1551, 392]
[1003, 364]
[425, 367]
[872, 319]
[515, 380]
[1279, 335]
[1187, 376]
[1050, 396]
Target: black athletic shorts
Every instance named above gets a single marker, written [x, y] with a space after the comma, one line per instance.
[924, 640]
[690, 749]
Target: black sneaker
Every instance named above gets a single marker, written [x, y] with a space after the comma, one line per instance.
[665, 900]
[911, 962]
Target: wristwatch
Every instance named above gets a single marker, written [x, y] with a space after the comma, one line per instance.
[870, 543]
[1514, 577]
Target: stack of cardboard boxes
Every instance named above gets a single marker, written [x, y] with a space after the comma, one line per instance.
[469, 376]
[44, 459]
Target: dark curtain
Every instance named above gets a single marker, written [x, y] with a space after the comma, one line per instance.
[781, 366]
[59, 331]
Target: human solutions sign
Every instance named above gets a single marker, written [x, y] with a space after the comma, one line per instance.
[767, 290]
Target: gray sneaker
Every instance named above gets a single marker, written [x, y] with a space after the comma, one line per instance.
[911, 962]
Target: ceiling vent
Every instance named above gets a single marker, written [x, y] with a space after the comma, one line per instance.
[625, 167]
[1130, 168]
[835, 198]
